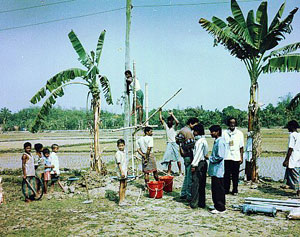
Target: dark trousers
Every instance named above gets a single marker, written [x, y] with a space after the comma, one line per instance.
[248, 170]
[198, 185]
[232, 169]
[218, 193]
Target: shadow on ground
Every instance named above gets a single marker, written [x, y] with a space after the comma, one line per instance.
[112, 196]
[269, 189]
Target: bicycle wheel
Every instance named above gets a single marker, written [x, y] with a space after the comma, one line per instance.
[32, 188]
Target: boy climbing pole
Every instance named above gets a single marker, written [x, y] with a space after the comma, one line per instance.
[139, 94]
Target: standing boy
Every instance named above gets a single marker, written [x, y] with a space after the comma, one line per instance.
[216, 169]
[172, 151]
[28, 169]
[47, 170]
[292, 160]
[38, 161]
[121, 162]
[145, 149]
[55, 171]
[199, 168]
[235, 141]
[186, 141]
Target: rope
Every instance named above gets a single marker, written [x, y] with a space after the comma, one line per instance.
[156, 189]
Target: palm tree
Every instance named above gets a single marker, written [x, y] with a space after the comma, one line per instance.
[90, 78]
[250, 40]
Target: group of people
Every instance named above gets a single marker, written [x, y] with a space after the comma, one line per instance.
[44, 164]
[223, 165]
[191, 145]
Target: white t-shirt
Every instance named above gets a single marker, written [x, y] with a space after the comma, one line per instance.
[235, 141]
[54, 161]
[170, 132]
[144, 142]
[137, 84]
[294, 143]
[29, 165]
[120, 158]
[200, 150]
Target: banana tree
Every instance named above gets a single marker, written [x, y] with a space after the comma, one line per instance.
[251, 40]
[89, 77]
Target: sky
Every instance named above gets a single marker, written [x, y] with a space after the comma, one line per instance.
[170, 48]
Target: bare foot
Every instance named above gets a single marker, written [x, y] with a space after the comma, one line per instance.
[284, 187]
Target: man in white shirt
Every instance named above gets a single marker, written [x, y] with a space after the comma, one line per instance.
[199, 168]
[145, 149]
[235, 141]
[292, 160]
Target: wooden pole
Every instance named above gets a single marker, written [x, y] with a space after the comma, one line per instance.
[162, 106]
[133, 137]
[158, 110]
[134, 94]
[127, 67]
[133, 127]
[146, 104]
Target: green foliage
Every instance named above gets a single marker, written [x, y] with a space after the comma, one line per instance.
[55, 85]
[249, 39]
[72, 119]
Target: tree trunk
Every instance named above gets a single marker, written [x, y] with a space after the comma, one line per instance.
[254, 129]
[97, 163]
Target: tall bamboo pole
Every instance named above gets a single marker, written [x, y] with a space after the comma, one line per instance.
[146, 103]
[127, 67]
[133, 136]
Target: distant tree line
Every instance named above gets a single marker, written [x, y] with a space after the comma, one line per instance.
[73, 119]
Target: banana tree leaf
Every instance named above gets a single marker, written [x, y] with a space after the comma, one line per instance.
[84, 58]
[294, 102]
[237, 13]
[38, 96]
[64, 77]
[277, 17]
[106, 89]
[241, 31]
[277, 33]
[99, 47]
[46, 107]
[285, 63]
[221, 24]
[92, 73]
[283, 51]
[226, 38]
[262, 20]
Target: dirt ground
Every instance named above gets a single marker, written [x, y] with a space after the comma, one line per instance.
[60, 214]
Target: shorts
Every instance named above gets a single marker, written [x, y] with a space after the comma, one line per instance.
[47, 176]
[139, 99]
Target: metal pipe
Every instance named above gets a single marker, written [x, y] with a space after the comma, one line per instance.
[251, 209]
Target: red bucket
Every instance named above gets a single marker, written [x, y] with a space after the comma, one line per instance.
[155, 189]
[168, 180]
